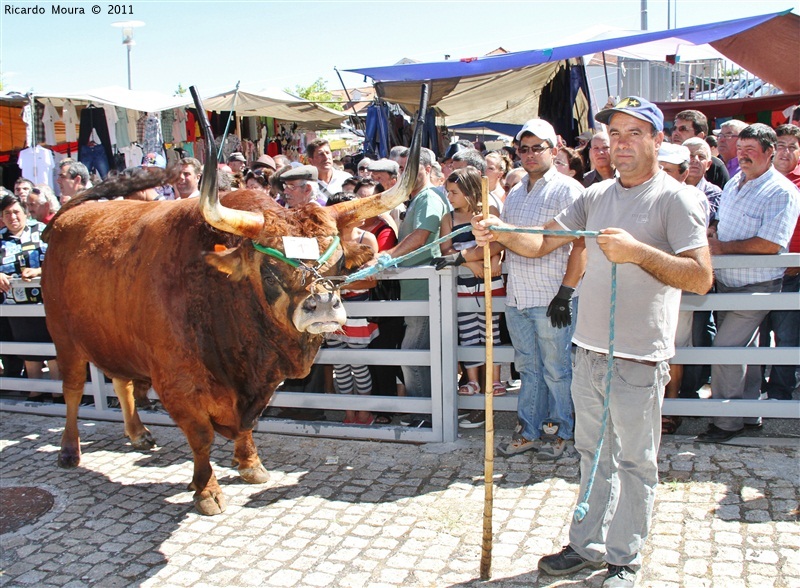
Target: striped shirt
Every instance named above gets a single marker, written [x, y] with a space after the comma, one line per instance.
[766, 207]
[534, 282]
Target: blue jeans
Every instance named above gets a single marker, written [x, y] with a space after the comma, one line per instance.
[783, 379]
[94, 157]
[542, 355]
[417, 378]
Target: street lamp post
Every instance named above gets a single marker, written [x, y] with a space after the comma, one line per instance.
[127, 27]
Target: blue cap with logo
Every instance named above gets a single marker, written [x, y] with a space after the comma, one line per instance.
[636, 107]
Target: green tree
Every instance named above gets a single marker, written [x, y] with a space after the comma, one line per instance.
[180, 91]
[317, 92]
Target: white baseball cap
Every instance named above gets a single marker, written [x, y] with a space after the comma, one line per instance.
[540, 128]
[672, 153]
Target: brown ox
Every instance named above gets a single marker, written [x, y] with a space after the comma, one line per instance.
[138, 289]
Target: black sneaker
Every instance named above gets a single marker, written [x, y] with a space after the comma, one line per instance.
[566, 562]
[619, 577]
[475, 419]
[419, 423]
[716, 435]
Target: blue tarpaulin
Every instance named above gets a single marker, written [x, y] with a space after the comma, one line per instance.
[697, 35]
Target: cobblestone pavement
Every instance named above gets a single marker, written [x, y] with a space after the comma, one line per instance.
[354, 513]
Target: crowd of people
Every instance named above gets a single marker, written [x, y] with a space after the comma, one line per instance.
[662, 203]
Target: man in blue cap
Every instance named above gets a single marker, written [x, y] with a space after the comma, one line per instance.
[653, 228]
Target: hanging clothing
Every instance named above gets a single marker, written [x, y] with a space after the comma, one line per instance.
[70, 118]
[49, 118]
[94, 142]
[123, 138]
[167, 120]
[111, 122]
[141, 123]
[153, 141]
[191, 124]
[179, 126]
[37, 164]
[376, 133]
[133, 155]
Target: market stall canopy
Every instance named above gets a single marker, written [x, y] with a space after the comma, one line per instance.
[746, 109]
[143, 101]
[279, 105]
[467, 90]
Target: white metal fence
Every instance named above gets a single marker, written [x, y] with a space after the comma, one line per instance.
[442, 308]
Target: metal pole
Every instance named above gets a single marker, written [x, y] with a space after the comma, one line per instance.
[644, 15]
[228, 123]
[346, 93]
[130, 87]
[669, 14]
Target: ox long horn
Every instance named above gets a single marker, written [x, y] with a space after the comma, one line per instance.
[348, 213]
[239, 222]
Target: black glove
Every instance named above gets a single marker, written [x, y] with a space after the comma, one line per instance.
[560, 309]
[453, 259]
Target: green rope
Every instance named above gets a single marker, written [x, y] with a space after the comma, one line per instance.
[385, 261]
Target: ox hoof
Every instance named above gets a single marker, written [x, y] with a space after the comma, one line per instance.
[257, 475]
[210, 504]
[144, 441]
[68, 459]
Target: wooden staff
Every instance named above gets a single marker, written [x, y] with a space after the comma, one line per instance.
[488, 460]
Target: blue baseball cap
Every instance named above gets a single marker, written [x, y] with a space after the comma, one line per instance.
[636, 107]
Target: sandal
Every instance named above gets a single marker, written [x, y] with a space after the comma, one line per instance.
[670, 424]
[382, 419]
[471, 388]
[498, 389]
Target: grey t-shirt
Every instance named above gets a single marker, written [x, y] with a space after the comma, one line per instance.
[661, 213]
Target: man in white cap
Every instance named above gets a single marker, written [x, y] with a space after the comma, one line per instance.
[539, 300]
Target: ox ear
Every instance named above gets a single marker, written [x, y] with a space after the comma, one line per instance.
[229, 262]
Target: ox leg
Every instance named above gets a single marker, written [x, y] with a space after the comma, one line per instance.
[245, 457]
[208, 497]
[72, 383]
[140, 436]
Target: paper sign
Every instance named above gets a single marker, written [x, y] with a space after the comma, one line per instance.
[300, 248]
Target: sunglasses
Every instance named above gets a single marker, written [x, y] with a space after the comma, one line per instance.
[535, 149]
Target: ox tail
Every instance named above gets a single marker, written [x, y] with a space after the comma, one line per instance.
[120, 186]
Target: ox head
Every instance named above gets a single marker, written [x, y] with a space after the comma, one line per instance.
[303, 287]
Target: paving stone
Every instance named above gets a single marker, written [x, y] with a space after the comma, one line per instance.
[389, 515]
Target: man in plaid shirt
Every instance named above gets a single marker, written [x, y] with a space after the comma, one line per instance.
[757, 213]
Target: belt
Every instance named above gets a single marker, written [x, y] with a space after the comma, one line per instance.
[641, 361]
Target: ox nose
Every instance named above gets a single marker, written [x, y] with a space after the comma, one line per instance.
[321, 312]
[320, 301]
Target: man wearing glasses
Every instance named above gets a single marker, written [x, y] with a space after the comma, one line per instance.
[73, 177]
[364, 172]
[693, 123]
[539, 300]
[298, 185]
[729, 133]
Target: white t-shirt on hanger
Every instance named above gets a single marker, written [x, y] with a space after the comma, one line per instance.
[37, 165]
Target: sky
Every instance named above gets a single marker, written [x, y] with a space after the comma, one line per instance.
[213, 45]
